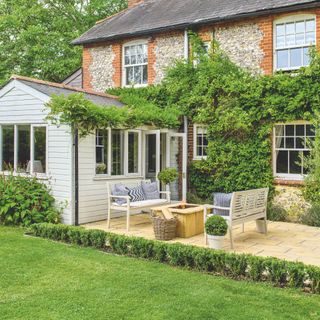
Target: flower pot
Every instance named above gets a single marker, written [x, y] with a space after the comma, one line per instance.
[261, 226]
[215, 242]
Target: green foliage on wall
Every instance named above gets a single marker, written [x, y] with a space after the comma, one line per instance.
[239, 108]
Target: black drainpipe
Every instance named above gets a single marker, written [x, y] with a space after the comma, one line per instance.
[76, 176]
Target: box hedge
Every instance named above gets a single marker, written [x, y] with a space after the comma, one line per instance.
[236, 266]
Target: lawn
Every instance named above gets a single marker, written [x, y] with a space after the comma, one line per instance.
[40, 279]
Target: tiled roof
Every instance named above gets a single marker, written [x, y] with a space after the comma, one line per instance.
[160, 15]
[50, 88]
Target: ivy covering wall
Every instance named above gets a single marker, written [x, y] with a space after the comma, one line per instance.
[240, 110]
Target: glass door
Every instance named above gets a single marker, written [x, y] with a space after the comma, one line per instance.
[152, 154]
[177, 158]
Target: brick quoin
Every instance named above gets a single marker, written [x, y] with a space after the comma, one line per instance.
[117, 64]
[86, 62]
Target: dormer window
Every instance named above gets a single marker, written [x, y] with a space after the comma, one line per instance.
[293, 38]
[135, 64]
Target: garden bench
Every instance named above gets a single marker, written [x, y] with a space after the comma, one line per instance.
[245, 206]
[133, 207]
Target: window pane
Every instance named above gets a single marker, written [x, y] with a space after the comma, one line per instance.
[279, 130]
[300, 143]
[40, 149]
[300, 39]
[117, 152]
[310, 38]
[306, 57]
[290, 40]
[306, 154]
[7, 148]
[289, 143]
[310, 130]
[310, 25]
[145, 74]
[133, 152]
[137, 75]
[102, 142]
[282, 59]
[290, 28]
[296, 58]
[281, 41]
[23, 149]
[282, 162]
[280, 142]
[300, 130]
[290, 130]
[280, 30]
[300, 27]
[295, 162]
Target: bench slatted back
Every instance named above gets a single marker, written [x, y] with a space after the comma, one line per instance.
[247, 203]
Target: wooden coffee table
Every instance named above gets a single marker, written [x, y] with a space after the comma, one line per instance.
[190, 218]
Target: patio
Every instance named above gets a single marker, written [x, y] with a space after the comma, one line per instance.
[293, 242]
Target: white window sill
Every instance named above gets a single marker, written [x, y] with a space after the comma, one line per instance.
[290, 177]
[200, 158]
[106, 177]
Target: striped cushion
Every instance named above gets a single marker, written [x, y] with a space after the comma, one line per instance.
[136, 194]
[222, 200]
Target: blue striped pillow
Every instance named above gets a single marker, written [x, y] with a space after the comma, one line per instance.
[136, 194]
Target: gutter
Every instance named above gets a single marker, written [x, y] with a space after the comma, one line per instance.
[197, 23]
[76, 176]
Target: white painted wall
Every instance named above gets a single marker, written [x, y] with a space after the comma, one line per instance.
[20, 104]
[92, 189]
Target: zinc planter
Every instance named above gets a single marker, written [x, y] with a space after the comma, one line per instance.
[261, 226]
[215, 242]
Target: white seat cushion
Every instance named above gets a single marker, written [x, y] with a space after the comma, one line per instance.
[144, 203]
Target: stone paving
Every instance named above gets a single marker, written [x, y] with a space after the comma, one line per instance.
[293, 242]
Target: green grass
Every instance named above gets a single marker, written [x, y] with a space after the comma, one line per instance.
[40, 279]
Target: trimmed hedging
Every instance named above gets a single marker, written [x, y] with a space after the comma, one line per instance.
[236, 266]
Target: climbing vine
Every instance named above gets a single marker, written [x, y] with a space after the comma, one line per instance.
[239, 109]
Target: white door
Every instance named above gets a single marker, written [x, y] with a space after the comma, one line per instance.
[176, 157]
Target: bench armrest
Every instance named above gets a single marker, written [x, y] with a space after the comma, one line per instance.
[119, 197]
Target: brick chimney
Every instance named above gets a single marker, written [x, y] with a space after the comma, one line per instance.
[132, 3]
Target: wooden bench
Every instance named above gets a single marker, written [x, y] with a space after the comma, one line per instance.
[245, 206]
[133, 207]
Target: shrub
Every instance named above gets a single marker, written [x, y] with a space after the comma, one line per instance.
[277, 213]
[216, 226]
[312, 216]
[24, 201]
[237, 266]
[168, 175]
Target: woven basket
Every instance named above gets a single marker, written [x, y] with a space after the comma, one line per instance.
[164, 229]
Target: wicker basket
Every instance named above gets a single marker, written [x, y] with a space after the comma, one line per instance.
[164, 229]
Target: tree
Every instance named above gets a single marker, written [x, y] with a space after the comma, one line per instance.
[35, 35]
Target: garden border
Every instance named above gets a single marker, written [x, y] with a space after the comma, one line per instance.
[279, 272]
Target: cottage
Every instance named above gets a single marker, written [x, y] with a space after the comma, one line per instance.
[135, 47]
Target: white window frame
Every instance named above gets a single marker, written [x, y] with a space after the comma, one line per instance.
[288, 19]
[195, 144]
[125, 156]
[124, 78]
[15, 166]
[285, 176]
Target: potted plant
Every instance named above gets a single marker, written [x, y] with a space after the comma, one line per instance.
[168, 175]
[216, 228]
